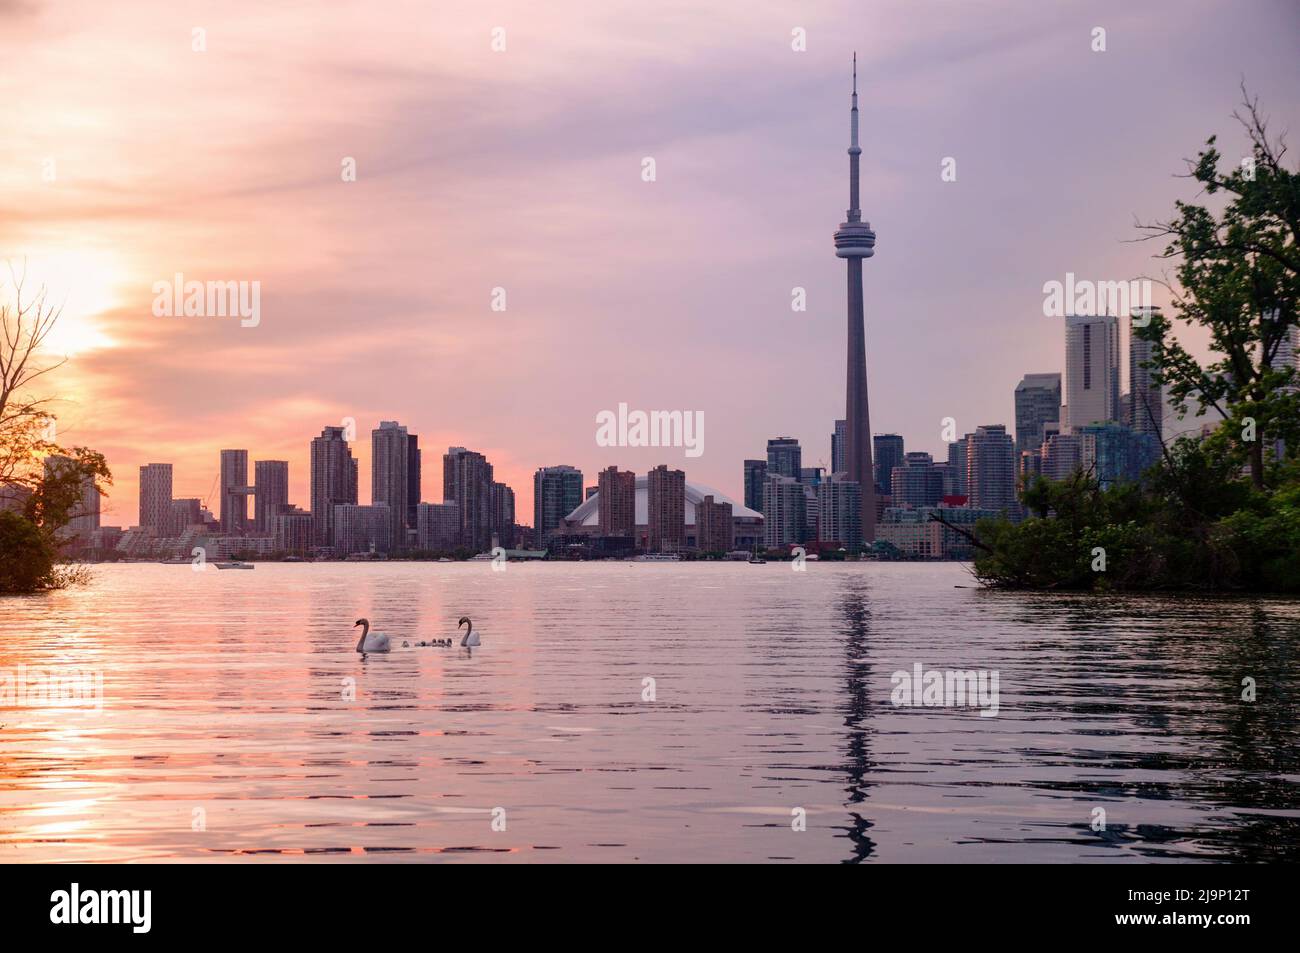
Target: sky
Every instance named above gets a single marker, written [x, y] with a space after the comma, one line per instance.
[130, 156]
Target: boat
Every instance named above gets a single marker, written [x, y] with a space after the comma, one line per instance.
[658, 558]
[236, 564]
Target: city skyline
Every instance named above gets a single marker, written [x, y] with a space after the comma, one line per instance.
[358, 323]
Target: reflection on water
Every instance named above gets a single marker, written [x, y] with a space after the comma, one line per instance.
[238, 722]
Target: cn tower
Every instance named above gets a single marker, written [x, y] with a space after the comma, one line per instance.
[855, 241]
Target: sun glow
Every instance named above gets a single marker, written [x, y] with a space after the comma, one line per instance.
[83, 282]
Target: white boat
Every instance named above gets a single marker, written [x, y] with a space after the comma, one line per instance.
[237, 564]
[658, 558]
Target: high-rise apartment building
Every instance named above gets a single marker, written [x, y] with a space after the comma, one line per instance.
[991, 469]
[557, 492]
[1146, 413]
[715, 530]
[333, 481]
[1092, 370]
[467, 482]
[155, 496]
[270, 491]
[1038, 401]
[755, 478]
[887, 453]
[838, 459]
[234, 491]
[784, 457]
[362, 529]
[617, 501]
[390, 476]
[665, 510]
[917, 482]
[839, 517]
[502, 505]
[437, 527]
[785, 512]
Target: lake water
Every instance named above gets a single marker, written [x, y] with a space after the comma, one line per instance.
[229, 730]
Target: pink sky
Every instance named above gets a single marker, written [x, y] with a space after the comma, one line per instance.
[522, 169]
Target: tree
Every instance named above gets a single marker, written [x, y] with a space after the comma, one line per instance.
[42, 484]
[1239, 277]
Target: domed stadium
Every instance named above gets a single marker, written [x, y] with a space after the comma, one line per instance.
[585, 520]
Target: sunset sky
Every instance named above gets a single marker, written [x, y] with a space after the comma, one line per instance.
[521, 169]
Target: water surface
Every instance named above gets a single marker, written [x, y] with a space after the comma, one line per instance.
[229, 730]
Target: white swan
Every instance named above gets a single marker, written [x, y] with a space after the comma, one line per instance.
[471, 637]
[370, 641]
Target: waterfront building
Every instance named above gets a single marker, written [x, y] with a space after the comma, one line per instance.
[715, 530]
[270, 492]
[155, 496]
[617, 502]
[333, 481]
[755, 477]
[666, 510]
[390, 476]
[234, 492]
[437, 527]
[991, 467]
[1092, 370]
[362, 529]
[467, 482]
[785, 516]
[917, 482]
[557, 492]
[888, 453]
[784, 457]
[1038, 401]
[839, 513]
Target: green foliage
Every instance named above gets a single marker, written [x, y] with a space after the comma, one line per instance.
[1195, 523]
[26, 555]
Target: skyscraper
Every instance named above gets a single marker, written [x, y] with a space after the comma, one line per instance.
[502, 504]
[855, 241]
[1146, 396]
[665, 510]
[83, 517]
[390, 476]
[755, 477]
[270, 492]
[155, 495]
[837, 446]
[991, 468]
[785, 512]
[1091, 369]
[917, 482]
[413, 489]
[617, 500]
[888, 453]
[957, 466]
[467, 481]
[557, 492]
[234, 491]
[437, 526]
[1038, 402]
[715, 530]
[839, 517]
[333, 481]
[784, 457]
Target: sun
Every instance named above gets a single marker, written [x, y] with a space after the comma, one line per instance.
[82, 281]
